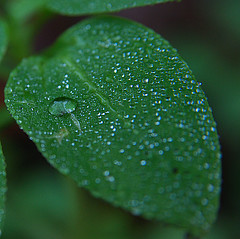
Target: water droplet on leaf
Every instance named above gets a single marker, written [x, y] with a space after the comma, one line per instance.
[61, 106]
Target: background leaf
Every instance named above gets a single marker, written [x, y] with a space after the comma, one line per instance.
[2, 188]
[76, 7]
[25, 18]
[21, 10]
[229, 19]
[3, 38]
[115, 107]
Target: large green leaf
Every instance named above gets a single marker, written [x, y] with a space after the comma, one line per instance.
[3, 38]
[114, 106]
[79, 7]
[2, 188]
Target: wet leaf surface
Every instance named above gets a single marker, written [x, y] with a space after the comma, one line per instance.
[115, 107]
[76, 7]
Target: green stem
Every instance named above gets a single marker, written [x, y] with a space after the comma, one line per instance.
[23, 32]
[5, 118]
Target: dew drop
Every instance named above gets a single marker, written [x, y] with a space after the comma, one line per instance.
[62, 105]
[204, 201]
[210, 187]
[143, 162]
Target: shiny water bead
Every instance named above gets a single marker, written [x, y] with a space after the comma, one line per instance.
[61, 106]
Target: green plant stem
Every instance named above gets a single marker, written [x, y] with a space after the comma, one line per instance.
[5, 118]
[23, 32]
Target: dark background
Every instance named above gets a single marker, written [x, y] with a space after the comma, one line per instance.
[44, 204]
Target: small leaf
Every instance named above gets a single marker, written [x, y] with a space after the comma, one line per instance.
[80, 7]
[3, 38]
[115, 107]
[2, 188]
